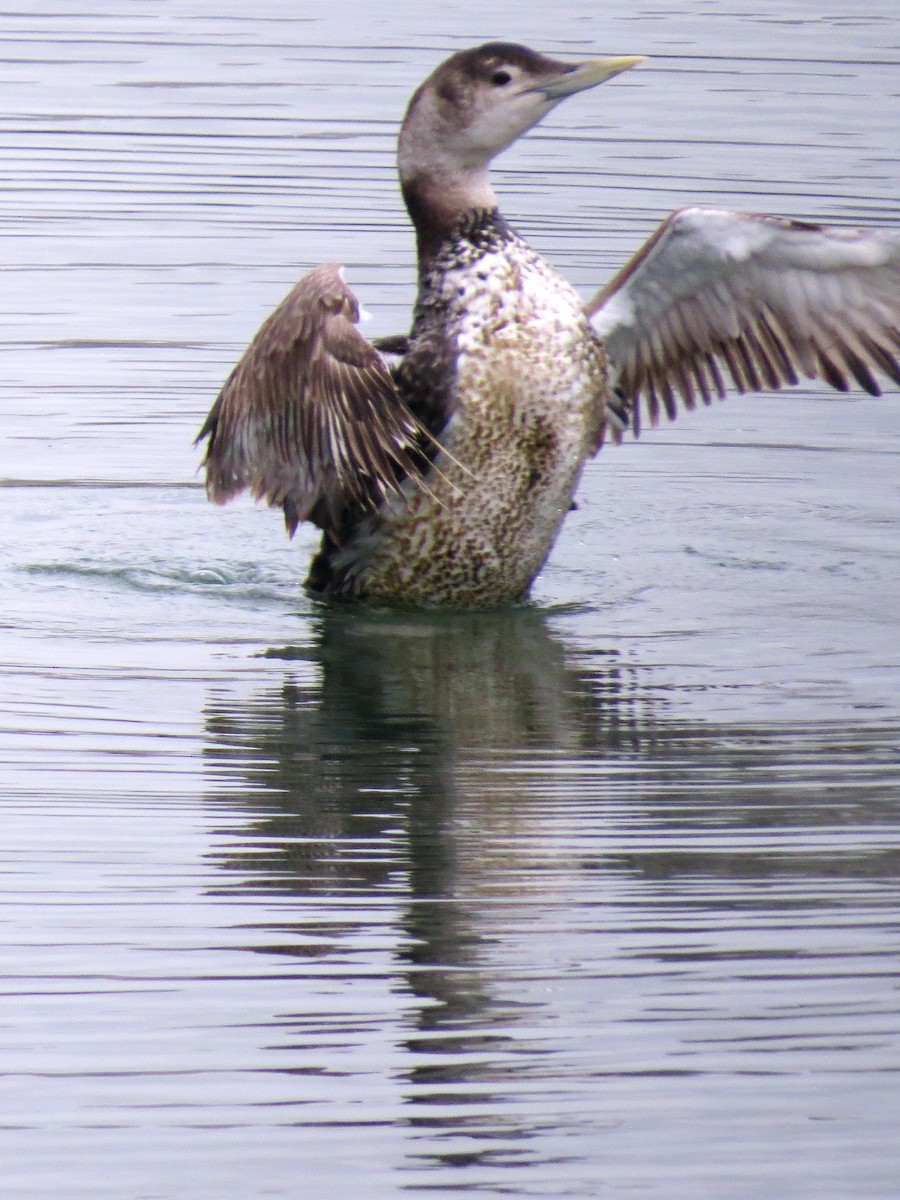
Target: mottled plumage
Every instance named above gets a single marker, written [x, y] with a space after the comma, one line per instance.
[517, 404]
[445, 479]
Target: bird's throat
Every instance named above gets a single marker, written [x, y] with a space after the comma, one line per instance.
[437, 203]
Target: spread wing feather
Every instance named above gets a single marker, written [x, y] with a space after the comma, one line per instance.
[310, 419]
[715, 296]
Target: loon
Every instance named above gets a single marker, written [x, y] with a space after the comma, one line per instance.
[444, 479]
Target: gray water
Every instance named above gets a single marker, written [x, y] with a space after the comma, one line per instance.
[597, 898]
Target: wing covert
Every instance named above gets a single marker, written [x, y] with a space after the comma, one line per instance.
[716, 297]
[310, 419]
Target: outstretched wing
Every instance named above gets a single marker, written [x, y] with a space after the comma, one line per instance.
[310, 420]
[765, 299]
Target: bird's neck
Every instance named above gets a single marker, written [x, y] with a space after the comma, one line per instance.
[438, 202]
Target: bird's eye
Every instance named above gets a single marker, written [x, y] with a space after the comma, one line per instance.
[501, 78]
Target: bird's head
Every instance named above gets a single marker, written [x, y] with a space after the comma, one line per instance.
[476, 104]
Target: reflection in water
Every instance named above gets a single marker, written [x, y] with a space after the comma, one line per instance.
[381, 765]
[396, 710]
[533, 816]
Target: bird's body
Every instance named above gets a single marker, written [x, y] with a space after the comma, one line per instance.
[445, 479]
[499, 342]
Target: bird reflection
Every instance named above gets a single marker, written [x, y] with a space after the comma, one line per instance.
[385, 717]
[371, 767]
[410, 783]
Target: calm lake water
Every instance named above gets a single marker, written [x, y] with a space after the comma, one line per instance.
[598, 898]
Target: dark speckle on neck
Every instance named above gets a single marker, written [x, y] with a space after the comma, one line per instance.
[427, 373]
[479, 228]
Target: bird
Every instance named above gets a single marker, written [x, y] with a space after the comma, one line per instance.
[440, 465]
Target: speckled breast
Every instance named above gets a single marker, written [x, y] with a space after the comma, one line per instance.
[528, 379]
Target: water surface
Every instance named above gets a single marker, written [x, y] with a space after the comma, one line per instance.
[594, 898]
